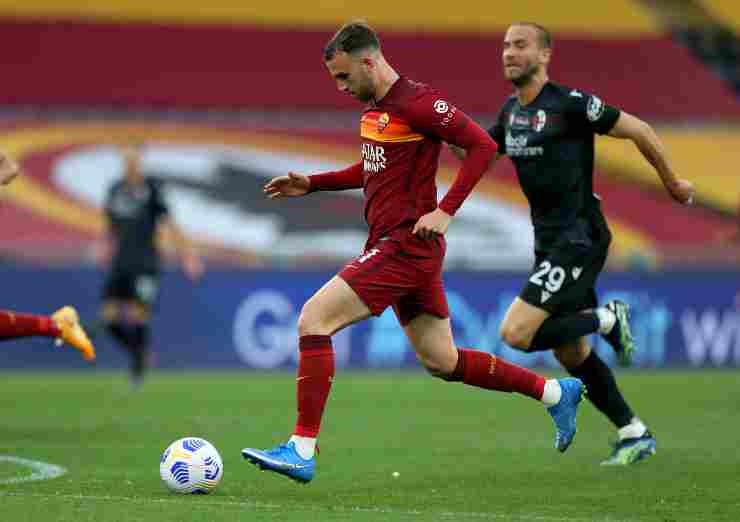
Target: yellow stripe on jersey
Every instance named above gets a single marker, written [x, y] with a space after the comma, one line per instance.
[612, 18]
[381, 127]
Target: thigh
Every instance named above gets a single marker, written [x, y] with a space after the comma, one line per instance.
[111, 310]
[524, 318]
[381, 276]
[333, 307]
[426, 297]
[116, 287]
[431, 338]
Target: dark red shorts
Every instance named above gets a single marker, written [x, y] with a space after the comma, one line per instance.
[406, 275]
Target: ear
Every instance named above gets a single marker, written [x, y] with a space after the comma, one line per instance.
[545, 55]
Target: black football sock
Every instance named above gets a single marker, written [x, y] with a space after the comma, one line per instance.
[602, 389]
[140, 348]
[557, 331]
[121, 333]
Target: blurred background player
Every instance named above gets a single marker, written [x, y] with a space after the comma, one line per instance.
[63, 325]
[548, 132]
[402, 130]
[136, 211]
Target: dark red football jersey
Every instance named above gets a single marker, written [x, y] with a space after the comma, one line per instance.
[402, 136]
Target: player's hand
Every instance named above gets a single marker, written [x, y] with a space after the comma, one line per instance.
[681, 190]
[193, 266]
[8, 169]
[292, 185]
[432, 224]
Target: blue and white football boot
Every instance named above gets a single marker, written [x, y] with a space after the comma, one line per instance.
[564, 412]
[283, 459]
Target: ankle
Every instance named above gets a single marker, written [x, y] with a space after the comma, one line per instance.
[607, 319]
[304, 446]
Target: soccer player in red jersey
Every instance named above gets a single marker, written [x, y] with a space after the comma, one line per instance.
[402, 128]
[64, 324]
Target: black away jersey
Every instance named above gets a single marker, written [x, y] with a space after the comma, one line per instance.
[551, 143]
[133, 212]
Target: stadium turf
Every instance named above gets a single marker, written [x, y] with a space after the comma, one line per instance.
[461, 453]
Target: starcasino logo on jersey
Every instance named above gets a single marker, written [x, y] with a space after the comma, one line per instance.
[373, 158]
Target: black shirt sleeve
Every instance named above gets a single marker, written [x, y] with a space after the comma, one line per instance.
[108, 205]
[498, 131]
[158, 204]
[591, 113]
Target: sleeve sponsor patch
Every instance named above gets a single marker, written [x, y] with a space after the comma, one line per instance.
[441, 106]
[595, 108]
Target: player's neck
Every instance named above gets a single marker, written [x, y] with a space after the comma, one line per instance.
[387, 76]
[527, 93]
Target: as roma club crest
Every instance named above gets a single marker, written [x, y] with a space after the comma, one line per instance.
[383, 122]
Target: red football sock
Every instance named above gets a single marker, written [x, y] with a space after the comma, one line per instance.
[13, 325]
[494, 373]
[315, 374]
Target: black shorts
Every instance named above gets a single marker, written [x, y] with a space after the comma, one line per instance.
[563, 279]
[127, 285]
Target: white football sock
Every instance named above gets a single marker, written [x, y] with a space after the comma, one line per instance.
[304, 446]
[634, 429]
[552, 393]
[607, 318]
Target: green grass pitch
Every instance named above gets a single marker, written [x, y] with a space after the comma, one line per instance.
[461, 453]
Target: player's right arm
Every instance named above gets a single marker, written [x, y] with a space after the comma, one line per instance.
[459, 152]
[294, 184]
[647, 141]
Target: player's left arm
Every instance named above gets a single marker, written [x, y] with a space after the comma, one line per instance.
[189, 259]
[191, 263]
[436, 117]
[649, 144]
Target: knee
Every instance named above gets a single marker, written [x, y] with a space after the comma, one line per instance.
[516, 336]
[138, 313]
[310, 322]
[439, 367]
[110, 313]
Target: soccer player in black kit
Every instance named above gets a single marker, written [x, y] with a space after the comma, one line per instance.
[548, 132]
[135, 209]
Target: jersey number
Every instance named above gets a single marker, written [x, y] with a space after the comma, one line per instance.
[555, 276]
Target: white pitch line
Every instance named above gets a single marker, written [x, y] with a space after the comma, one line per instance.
[41, 470]
[342, 509]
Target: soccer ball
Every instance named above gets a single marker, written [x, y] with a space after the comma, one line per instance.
[191, 465]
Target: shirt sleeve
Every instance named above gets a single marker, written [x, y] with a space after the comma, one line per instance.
[108, 205]
[591, 113]
[159, 204]
[498, 131]
[436, 117]
[349, 178]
